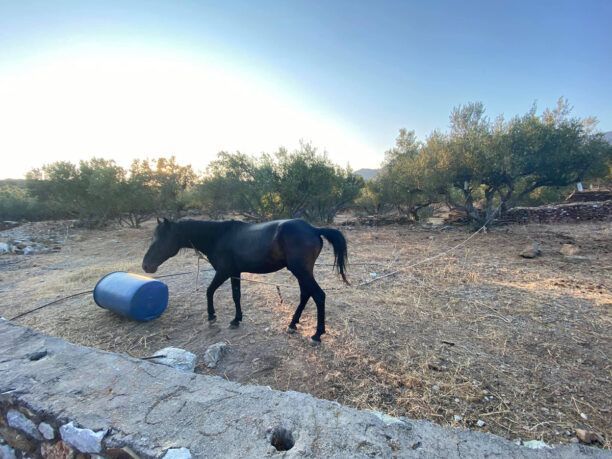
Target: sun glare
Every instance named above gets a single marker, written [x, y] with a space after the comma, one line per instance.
[125, 106]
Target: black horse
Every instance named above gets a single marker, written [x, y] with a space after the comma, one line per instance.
[234, 247]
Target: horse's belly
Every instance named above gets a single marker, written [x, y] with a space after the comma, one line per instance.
[264, 269]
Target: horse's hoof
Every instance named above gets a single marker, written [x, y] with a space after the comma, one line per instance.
[234, 326]
[211, 322]
[291, 330]
[315, 342]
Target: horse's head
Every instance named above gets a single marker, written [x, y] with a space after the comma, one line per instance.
[166, 244]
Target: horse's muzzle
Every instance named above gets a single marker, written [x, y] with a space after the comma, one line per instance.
[150, 269]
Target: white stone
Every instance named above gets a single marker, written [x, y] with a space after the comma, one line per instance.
[214, 353]
[458, 418]
[19, 421]
[177, 453]
[388, 420]
[4, 247]
[85, 440]
[535, 444]
[176, 358]
[46, 430]
[6, 452]
[480, 423]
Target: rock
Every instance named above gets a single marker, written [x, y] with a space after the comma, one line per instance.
[85, 440]
[569, 249]
[531, 251]
[536, 444]
[214, 353]
[457, 418]
[6, 452]
[29, 250]
[588, 437]
[57, 450]
[46, 430]
[4, 247]
[176, 358]
[19, 421]
[389, 420]
[584, 416]
[435, 388]
[177, 453]
[480, 423]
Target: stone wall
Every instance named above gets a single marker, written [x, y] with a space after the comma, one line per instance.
[561, 213]
[590, 196]
[59, 400]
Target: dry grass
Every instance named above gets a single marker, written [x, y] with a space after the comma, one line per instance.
[523, 345]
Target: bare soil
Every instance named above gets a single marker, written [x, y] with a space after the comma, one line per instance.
[476, 334]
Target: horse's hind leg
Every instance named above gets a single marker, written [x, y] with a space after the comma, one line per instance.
[309, 287]
[304, 297]
[210, 292]
[236, 295]
[318, 295]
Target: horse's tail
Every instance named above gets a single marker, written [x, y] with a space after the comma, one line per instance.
[338, 242]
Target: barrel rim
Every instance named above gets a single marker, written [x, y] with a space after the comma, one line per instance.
[98, 283]
[166, 302]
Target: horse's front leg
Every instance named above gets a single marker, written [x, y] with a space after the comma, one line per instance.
[236, 295]
[210, 292]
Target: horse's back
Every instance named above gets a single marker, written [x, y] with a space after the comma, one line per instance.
[269, 246]
[300, 241]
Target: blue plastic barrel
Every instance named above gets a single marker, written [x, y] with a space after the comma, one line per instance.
[132, 295]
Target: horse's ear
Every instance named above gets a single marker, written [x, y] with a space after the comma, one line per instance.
[158, 221]
[166, 221]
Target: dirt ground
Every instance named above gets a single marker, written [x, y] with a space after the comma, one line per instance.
[479, 334]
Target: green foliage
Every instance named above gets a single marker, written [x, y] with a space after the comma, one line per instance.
[479, 166]
[17, 204]
[401, 184]
[482, 166]
[302, 183]
[311, 186]
[98, 190]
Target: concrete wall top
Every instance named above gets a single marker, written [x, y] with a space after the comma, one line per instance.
[151, 409]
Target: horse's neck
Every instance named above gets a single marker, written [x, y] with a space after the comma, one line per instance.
[201, 235]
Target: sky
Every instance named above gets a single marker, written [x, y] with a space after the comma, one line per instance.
[131, 79]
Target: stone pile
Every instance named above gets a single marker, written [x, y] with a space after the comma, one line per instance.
[378, 220]
[34, 237]
[590, 196]
[29, 246]
[561, 213]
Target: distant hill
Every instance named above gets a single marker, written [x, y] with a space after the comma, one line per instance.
[368, 174]
[608, 136]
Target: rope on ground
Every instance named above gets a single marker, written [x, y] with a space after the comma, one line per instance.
[59, 300]
[18, 316]
[441, 254]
